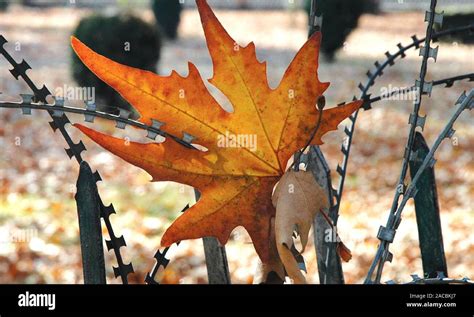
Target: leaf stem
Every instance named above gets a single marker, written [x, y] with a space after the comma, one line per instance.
[321, 104]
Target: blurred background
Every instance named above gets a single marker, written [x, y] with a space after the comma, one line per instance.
[38, 180]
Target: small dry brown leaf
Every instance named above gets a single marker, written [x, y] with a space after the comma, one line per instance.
[344, 252]
[297, 198]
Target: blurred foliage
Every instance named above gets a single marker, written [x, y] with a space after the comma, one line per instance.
[372, 6]
[4, 5]
[125, 39]
[456, 20]
[168, 16]
[340, 17]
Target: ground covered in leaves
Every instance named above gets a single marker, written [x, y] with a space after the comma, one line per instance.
[38, 181]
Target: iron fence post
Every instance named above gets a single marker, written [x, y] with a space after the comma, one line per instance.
[325, 241]
[427, 214]
[216, 258]
[90, 230]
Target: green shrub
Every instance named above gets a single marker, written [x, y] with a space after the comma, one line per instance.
[123, 38]
[168, 16]
[372, 6]
[340, 17]
[4, 5]
[456, 20]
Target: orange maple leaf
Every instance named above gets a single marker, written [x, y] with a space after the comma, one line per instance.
[235, 182]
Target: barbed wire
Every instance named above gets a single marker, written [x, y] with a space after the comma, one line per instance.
[38, 98]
